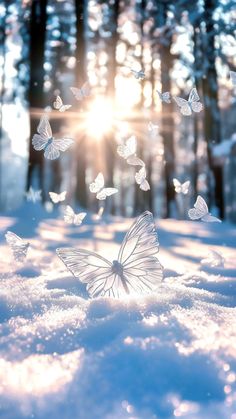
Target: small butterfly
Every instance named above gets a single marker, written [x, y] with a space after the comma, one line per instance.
[200, 212]
[57, 197]
[71, 218]
[98, 187]
[33, 195]
[128, 152]
[153, 128]
[190, 105]
[45, 141]
[137, 269]
[18, 246]
[141, 180]
[165, 97]
[81, 93]
[58, 104]
[140, 75]
[213, 260]
[233, 77]
[181, 187]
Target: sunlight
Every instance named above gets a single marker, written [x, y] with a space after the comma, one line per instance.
[100, 118]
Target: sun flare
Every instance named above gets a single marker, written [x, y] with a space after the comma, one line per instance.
[100, 118]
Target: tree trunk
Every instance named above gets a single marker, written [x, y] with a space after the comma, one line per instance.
[80, 10]
[36, 95]
[167, 121]
[212, 125]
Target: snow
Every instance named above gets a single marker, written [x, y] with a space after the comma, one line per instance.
[63, 355]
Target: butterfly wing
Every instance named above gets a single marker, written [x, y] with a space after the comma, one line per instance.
[91, 269]
[106, 192]
[69, 215]
[77, 93]
[85, 89]
[39, 143]
[185, 187]
[78, 218]
[193, 96]
[166, 97]
[196, 106]
[51, 151]
[184, 106]
[135, 73]
[54, 197]
[138, 255]
[44, 128]
[57, 197]
[64, 108]
[98, 184]
[18, 246]
[144, 185]
[63, 144]
[177, 185]
[129, 148]
[58, 103]
[200, 209]
[210, 219]
[135, 161]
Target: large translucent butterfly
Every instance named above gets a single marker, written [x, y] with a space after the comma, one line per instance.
[98, 187]
[45, 141]
[58, 104]
[57, 197]
[33, 195]
[140, 75]
[165, 97]
[233, 77]
[71, 218]
[18, 246]
[190, 105]
[141, 180]
[181, 187]
[137, 269]
[81, 93]
[200, 212]
[128, 152]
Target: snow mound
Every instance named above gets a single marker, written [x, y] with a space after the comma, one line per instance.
[173, 354]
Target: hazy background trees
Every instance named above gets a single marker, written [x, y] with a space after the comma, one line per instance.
[48, 46]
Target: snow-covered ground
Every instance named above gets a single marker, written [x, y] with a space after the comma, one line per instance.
[65, 356]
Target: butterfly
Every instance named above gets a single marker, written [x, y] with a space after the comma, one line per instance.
[57, 197]
[213, 260]
[71, 218]
[138, 74]
[58, 104]
[45, 141]
[81, 93]
[200, 211]
[181, 187]
[98, 187]
[33, 195]
[153, 128]
[18, 246]
[165, 97]
[190, 105]
[141, 180]
[233, 77]
[128, 152]
[136, 270]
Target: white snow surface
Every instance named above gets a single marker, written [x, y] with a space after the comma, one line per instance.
[65, 356]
